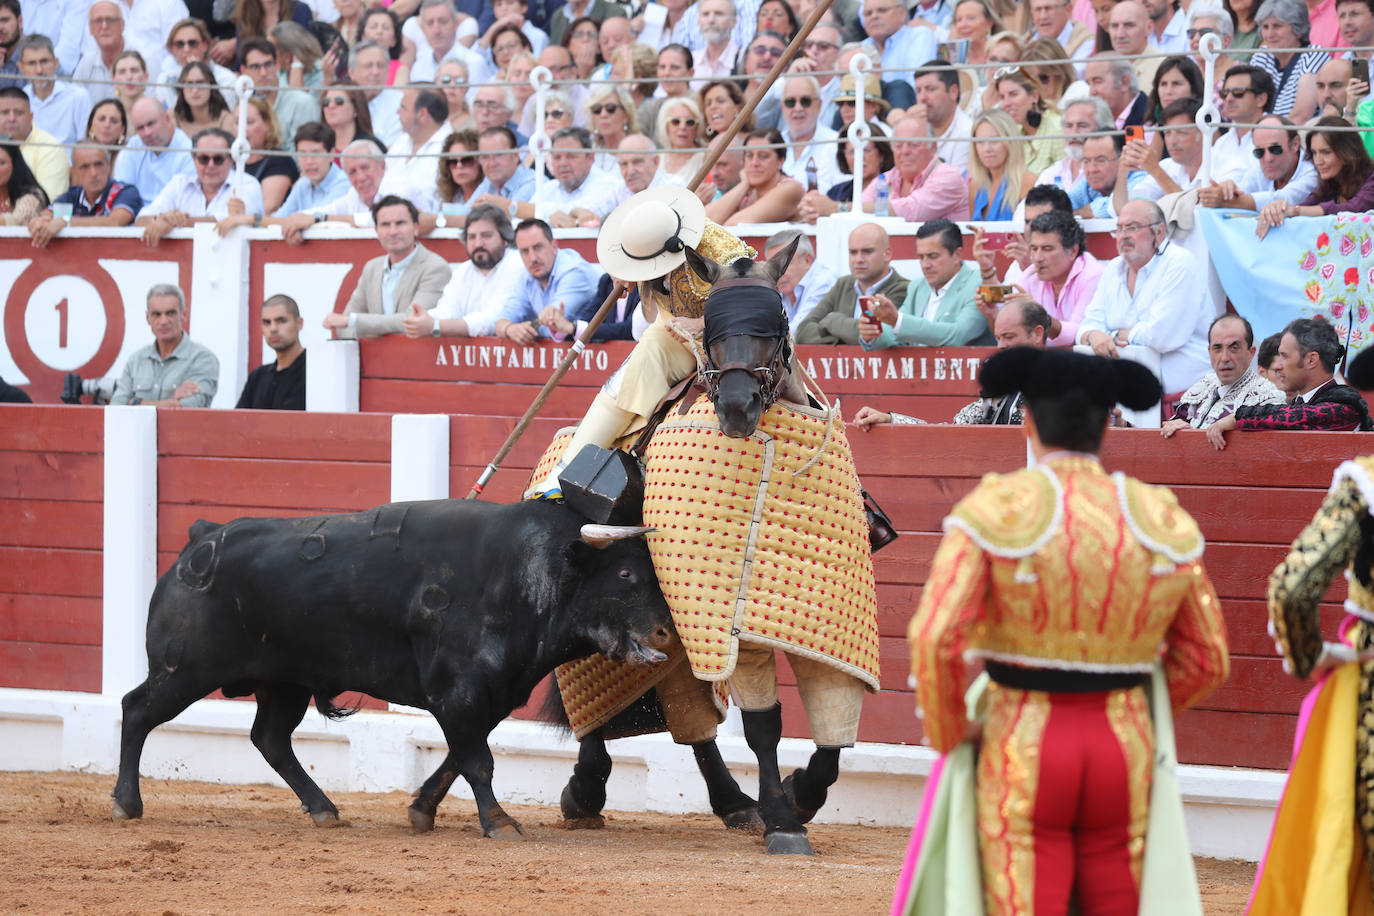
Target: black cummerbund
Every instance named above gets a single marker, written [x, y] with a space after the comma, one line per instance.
[1054, 680]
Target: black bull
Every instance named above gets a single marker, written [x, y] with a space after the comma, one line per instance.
[457, 607]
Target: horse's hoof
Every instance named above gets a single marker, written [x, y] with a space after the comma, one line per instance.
[422, 821]
[574, 810]
[783, 843]
[122, 813]
[329, 818]
[595, 822]
[748, 820]
[789, 789]
[510, 832]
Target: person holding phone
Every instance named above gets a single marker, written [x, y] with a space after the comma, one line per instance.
[855, 296]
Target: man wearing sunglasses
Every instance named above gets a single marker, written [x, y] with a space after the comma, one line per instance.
[900, 45]
[207, 196]
[1245, 96]
[1280, 171]
[821, 53]
[811, 145]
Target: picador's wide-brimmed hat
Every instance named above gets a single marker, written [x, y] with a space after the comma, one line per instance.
[648, 235]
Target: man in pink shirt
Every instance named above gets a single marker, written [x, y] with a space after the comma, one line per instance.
[1064, 275]
[922, 187]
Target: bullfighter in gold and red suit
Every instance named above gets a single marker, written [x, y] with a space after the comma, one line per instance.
[1072, 585]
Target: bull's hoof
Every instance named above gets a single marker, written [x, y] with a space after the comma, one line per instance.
[789, 789]
[747, 820]
[509, 831]
[328, 818]
[595, 822]
[784, 843]
[422, 821]
[131, 811]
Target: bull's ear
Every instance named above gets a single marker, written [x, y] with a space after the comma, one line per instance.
[704, 268]
[777, 265]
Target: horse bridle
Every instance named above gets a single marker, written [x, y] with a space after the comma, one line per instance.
[770, 376]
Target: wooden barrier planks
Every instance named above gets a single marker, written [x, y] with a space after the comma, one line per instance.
[51, 537]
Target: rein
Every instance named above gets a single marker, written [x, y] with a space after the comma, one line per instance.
[770, 376]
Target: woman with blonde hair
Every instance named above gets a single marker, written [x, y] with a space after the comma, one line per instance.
[682, 129]
[636, 61]
[295, 45]
[451, 78]
[517, 72]
[974, 22]
[997, 179]
[1019, 98]
[1054, 79]
[130, 77]
[611, 115]
[275, 171]
[1003, 48]
[558, 114]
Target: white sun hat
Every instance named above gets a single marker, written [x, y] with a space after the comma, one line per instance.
[647, 235]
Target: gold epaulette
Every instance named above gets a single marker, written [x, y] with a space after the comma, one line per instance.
[1360, 472]
[1159, 523]
[1011, 515]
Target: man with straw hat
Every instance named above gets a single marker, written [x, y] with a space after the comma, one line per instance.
[644, 240]
[875, 106]
[1085, 595]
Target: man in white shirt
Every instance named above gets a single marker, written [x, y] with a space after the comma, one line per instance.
[59, 108]
[805, 282]
[63, 21]
[639, 167]
[1282, 172]
[207, 196]
[147, 23]
[368, 63]
[1154, 294]
[139, 163]
[821, 53]
[811, 149]
[898, 44]
[106, 21]
[1177, 172]
[937, 101]
[439, 25]
[1168, 26]
[412, 162]
[470, 304]
[580, 194]
[365, 167]
[1245, 96]
[716, 59]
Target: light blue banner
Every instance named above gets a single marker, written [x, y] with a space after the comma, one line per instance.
[1308, 266]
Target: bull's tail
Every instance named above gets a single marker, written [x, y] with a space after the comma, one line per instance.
[552, 711]
[326, 707]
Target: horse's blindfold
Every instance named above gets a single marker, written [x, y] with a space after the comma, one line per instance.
[753, 310]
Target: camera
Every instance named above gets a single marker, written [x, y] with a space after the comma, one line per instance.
[74, 387]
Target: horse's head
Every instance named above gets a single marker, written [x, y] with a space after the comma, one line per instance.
[748, 353]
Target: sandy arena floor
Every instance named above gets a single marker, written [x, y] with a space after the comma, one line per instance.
[204, 848]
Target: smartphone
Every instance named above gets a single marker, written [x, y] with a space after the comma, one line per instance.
[998, 293]
[867, 303]
[996, 241]
[1359, 70]
[1134, 132]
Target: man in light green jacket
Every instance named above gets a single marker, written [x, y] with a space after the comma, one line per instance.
[939, 309]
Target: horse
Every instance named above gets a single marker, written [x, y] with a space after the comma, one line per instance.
[747, 368]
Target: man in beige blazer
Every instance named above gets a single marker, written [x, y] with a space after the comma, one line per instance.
[407, 275]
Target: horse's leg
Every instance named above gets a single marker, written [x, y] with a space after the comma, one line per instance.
[585, 794]
[781, 831]
[729, 803]
[833, 701]
[807, 787]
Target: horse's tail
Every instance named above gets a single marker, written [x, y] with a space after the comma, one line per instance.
[552, 712]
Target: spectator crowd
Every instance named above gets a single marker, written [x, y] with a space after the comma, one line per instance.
[419, 114]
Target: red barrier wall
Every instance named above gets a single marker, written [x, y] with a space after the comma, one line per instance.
[51, 533]
[499, 378]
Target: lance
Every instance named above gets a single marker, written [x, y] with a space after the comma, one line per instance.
[618, 288]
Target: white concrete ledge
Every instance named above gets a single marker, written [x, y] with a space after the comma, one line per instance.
[1229, 810]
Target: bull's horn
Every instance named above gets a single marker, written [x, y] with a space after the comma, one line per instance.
[601, 536]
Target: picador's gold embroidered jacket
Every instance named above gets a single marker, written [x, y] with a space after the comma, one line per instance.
[1063, 566]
